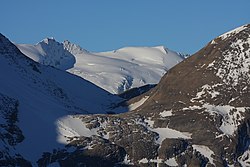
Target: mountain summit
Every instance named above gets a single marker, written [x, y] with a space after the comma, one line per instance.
[130, 67]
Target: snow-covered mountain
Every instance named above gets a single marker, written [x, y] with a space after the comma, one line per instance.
[34, 99]
[115, 71]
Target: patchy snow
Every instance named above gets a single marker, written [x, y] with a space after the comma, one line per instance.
[213, 42]
[235, 65]
[167, 133]
[233, 99]
[89, 146]
[137, 104]
[232, 116]
[235, 68]
[115, 71]
[211, 64]
[214, 94]
[245, 88]
[232, 32]
[206, 151]
[143, 161]
[70, 126]
[166, 113]
[164, 133]
[126, 160]
[158, 161]
[206, 89]
[171, 162]
[229, 165]
[199, 94]
[149, 122]
[244, 159]
[192, 108]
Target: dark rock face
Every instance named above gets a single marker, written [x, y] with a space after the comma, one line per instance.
[84, 151]
[134, 92]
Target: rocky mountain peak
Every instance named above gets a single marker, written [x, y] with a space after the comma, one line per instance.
[234, 32]
[235, 64]
[54, 53]
[73, 48]
[49, 40]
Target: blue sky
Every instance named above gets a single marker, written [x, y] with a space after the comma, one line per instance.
[98, 25]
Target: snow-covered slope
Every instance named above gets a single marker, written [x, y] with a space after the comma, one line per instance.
[43, 95]
[49, 52]
[115, 71]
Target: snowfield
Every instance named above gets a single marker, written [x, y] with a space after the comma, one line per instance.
[115, 71]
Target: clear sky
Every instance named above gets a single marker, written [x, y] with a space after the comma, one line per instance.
[102, 25]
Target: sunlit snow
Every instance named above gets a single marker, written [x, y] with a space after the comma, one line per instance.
[137, 104]
[204, 150]
[166, 113]
[115, 71]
